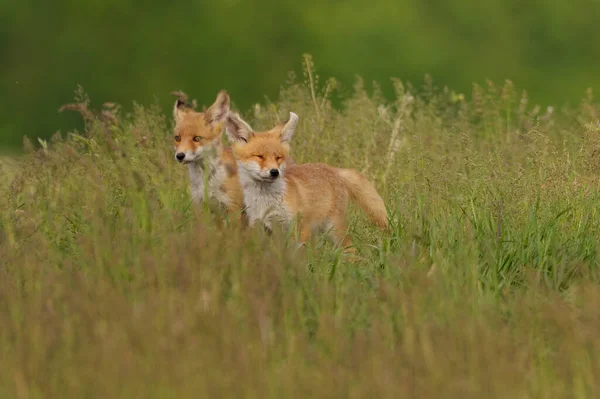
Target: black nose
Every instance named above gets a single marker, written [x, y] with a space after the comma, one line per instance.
[274, 172]
[180, 156]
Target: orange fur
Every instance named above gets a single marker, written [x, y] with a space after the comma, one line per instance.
[198, 143]
[316, 193]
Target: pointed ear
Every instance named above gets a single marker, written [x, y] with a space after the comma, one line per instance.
[218, 111]
[287, 131]
[237, 129]
[179, 109]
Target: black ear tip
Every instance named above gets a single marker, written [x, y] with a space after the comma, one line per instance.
[183, 105]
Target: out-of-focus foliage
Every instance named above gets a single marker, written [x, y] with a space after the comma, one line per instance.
[120, 50]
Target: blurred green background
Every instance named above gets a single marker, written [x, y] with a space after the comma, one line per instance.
[125, 50]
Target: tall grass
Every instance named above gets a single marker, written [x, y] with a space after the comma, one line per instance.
[112, 285]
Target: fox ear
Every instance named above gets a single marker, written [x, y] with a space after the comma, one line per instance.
[237, 129]
[218, 111]
[179, 109]
[287, 131]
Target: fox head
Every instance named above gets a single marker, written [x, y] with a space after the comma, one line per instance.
[197, 133]
[261, 156]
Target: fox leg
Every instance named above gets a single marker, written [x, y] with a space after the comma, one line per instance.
[339, 235]
[305, 233]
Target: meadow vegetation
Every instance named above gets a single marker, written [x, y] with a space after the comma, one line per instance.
[113, 286]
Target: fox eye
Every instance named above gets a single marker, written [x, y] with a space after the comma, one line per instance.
[197, 138]
[177, 138]
[279, 158]
[259, 156]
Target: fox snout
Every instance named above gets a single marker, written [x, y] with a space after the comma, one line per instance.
[185, 156]
[274, 173]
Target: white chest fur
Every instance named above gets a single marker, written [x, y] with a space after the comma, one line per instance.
[206, 179]
[264, 201]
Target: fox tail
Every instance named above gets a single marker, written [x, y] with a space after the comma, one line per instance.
[365, 194]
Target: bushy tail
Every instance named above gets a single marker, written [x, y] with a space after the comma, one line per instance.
[365, 194]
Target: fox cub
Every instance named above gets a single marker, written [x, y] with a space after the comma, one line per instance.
[316, 193]
[212, 166]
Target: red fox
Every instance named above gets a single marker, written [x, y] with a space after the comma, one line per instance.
[316, 193]
[198, 143]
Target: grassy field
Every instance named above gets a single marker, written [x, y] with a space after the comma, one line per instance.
[112, 286]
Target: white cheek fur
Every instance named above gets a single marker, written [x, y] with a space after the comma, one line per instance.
[252, 168]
